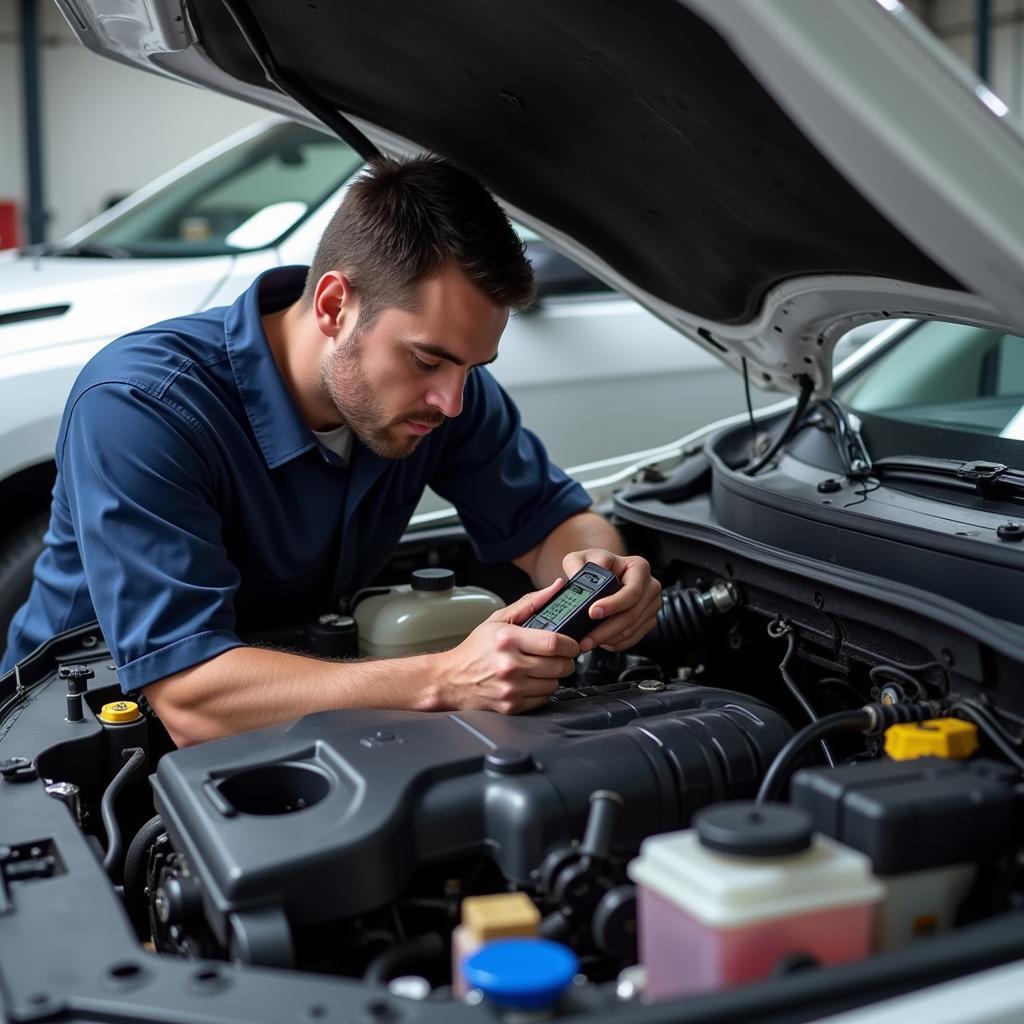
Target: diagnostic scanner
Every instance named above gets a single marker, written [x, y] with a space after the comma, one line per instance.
[568, 612]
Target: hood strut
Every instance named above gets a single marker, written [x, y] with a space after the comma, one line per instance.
[290, 86]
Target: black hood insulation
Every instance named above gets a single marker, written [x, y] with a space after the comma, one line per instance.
[633, 128]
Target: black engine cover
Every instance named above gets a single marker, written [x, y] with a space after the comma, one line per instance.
[331, 815]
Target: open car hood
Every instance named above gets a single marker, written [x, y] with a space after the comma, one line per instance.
[763, 174]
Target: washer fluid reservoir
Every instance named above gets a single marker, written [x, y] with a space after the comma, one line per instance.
[429, 613]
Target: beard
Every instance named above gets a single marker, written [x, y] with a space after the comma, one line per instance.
[345, 383]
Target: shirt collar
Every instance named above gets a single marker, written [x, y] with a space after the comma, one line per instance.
[280, 431]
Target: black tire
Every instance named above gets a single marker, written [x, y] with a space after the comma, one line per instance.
[18, 554]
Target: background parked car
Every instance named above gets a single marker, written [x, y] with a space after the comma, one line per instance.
[196, 238]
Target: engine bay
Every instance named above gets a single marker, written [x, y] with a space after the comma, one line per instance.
[340, 866]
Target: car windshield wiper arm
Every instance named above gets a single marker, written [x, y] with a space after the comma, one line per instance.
[989, 479]
[110, 252]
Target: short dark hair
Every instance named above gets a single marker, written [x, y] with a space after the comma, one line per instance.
[404, 220]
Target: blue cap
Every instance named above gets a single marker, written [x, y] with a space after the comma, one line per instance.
[527, 974]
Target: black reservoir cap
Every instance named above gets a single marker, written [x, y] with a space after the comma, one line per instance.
[912, 815]
[433, 579]
[746, 829]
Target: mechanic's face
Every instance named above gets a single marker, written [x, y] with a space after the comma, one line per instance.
[396, 380]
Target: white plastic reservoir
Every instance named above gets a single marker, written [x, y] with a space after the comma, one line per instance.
[749, 887]
[430, 613]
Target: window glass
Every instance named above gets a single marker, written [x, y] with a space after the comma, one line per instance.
[948, 376]
[247, 198]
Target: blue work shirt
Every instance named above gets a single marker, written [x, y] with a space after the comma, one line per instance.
[191, 497]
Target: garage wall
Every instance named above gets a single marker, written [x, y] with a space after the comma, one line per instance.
[953, 22]
[12, 174]
[107, 128]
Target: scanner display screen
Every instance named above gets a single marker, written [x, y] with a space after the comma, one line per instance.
[564, 603]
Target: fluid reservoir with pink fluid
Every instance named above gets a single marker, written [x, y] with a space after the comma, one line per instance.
[744, 890]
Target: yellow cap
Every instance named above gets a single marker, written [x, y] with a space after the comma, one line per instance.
[120, 711]
[938, 737]
[505, 915]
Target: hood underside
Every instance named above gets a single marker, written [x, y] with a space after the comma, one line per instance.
[761, 173]
[634, 130]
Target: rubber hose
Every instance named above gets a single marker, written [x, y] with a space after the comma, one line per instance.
[137, 757]
[791, 752]
[135, 870]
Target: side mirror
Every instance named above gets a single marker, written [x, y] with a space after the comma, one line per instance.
[557, 275]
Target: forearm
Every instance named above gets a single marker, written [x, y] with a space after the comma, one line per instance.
[577, 533]
[249, 687]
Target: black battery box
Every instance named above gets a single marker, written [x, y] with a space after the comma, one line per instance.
[913, 815]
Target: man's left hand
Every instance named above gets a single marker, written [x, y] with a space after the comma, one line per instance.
[623, 618]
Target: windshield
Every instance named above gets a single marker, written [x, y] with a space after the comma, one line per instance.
[950, 378]
[247, 198]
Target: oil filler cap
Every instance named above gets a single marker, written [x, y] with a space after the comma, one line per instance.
[119, 712]
[746, 829]
[950, 738]
[522, 974]
[432, 579]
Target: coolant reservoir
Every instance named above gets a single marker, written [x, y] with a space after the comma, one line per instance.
[430, 613]
[744, 892]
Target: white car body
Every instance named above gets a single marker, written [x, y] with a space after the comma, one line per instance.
[602, 347]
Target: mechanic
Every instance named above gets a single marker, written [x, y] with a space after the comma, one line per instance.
[253, 463]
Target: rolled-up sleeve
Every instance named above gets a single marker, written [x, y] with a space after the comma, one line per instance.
[140, 495]
[508, 493]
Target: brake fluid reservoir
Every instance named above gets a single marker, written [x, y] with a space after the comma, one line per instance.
[428, 614]
[748, 887]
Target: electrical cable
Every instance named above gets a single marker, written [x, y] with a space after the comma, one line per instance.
[750, 404]
[922, 666]
[984, 718]
[975, 714]
[136, 757]
[872, 719]
[795, 690]
[993, 723]
[862, 494]
[1009, 716]
[858, 719]
[21, 692]
[806, 387]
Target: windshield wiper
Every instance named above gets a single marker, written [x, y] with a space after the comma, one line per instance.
[988, 479]
[110, 252]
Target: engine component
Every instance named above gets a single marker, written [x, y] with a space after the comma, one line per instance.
[505, 915]
[938, 737]
[926, 825]
[112, 858]
[912, 815]
[523, 975]
[872, 720]
[731, 899]
[430, 613]
[70, 795]
[77, 679]
[334, 636]
[372, 796]
[684, 619]
[576, 876]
